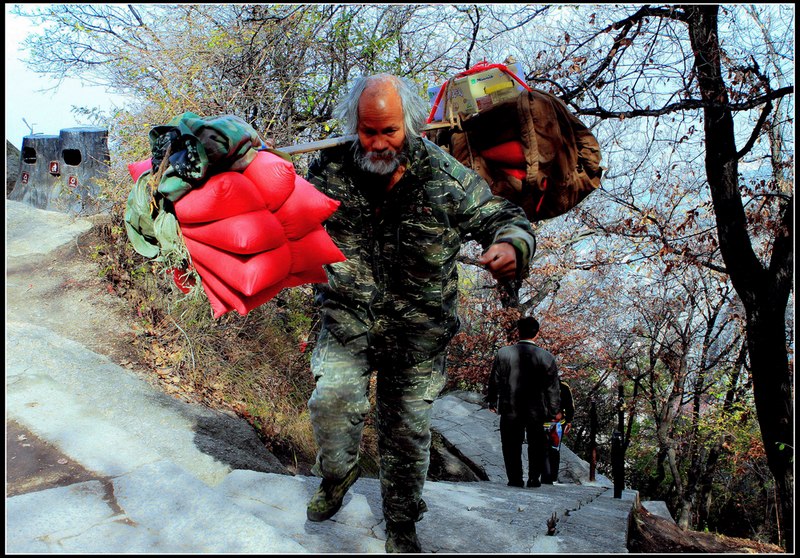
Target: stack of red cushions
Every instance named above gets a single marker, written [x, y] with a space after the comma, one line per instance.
[251, 234]
[509, 157]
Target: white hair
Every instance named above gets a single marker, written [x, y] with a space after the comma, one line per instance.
[415, 110]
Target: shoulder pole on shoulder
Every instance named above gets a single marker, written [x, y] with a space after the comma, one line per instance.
[341, 140]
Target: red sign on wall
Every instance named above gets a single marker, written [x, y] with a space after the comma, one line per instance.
[24, 178]
[72, 181]
[54, 167]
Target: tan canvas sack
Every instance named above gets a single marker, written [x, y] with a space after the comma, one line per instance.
[562, 156]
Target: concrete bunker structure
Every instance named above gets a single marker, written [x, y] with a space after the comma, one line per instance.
[59, 173]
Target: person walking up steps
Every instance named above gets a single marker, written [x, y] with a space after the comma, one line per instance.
[523, 388]
[552, 458]
[406, 208]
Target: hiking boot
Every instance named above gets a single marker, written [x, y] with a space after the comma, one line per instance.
[401, 537]
[532, 483]
[327, 500]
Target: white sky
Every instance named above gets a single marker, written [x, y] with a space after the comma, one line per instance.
[47, 112]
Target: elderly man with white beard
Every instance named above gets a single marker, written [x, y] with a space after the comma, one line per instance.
[406, 208]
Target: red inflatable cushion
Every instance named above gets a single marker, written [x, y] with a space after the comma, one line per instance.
[224, 298]
[251, 234]
[218, 306]
[247, 274]
[223, 195]
[305, 209]
[138, 168]
[247, 233]
[314, 250]
[509, 154]
[273, 176]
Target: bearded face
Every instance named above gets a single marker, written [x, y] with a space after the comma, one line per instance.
[382, 141]
[383, 162]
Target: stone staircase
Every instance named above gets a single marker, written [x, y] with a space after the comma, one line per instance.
[155, 490]
[159, 475]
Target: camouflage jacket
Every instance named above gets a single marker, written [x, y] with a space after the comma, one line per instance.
[399, 283]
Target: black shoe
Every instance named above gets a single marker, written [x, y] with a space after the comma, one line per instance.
[518, 484]
[422, 507]
[533, 483]
[401, 537]
[327, 500]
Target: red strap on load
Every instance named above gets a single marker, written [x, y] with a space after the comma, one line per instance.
[519, 174]
[544, 187]
[479, 67]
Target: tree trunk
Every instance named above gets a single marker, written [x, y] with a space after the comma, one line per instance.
[697, 454]
[772, 392]
[661, 472]
[705, 489]
[763, 291]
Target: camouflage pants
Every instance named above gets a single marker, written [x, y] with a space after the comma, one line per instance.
[340, 403]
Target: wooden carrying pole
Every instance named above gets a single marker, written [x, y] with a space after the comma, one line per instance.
[333, 142]
[316, 145]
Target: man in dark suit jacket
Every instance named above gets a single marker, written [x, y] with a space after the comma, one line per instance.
[524, 389]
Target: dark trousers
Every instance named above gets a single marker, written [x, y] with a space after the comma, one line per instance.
[552, 462]
[512, 434]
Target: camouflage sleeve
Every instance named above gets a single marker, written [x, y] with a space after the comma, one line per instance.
[490, 219]
[314, 175]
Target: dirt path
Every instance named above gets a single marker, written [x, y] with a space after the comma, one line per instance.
[63, 290]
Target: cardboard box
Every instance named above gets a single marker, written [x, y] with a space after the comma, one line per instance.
[477, 92]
